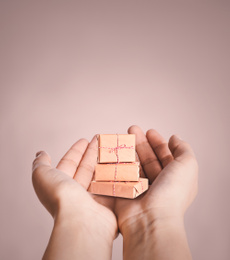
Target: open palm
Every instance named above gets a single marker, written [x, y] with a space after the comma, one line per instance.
[66, 185]
[172, 172]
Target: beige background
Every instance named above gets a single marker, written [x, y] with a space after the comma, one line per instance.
[70, 69]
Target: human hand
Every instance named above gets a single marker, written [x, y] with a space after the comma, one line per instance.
[173, 173]
[63, 191]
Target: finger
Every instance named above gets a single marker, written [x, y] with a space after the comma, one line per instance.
[86, 167]
[42, 160]
[41, 164]
[70, 161]
[160, 147]
[45, 180]
[149, 160]
[181, 150]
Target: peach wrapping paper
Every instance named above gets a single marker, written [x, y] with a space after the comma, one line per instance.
[114, 148]
[118, 172]
[122, 189]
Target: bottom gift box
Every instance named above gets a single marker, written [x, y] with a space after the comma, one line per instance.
[129, 189]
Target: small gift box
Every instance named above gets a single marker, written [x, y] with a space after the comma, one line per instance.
[117, 172]
[116, 148]
[129, 190]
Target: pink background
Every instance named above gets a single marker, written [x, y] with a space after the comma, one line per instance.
[70, 69]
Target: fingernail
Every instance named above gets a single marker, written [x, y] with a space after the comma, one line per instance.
[177, 136]
[38, 153]
[94, 138]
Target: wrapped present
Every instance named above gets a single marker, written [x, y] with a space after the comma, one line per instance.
[117, 172]
[119, 189]
[116, 148]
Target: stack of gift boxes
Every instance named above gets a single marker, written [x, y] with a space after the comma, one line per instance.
[117, 172]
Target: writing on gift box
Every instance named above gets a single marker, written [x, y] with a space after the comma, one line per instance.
[117, 171]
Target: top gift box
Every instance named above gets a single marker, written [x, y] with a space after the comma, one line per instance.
[116, 148]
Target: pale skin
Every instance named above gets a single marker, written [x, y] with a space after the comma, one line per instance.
[85, 225]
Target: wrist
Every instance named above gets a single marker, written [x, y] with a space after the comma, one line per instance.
[87, 217]
[148, 236]
[147, 219]
[78, 237]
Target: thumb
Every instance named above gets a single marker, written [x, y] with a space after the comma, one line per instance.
[42, 178]
[42, 158]
[41, 164]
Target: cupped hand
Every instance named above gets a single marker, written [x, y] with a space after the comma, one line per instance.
[63, 190]
[172, 171]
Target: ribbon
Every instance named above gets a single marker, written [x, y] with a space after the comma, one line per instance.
[115, 150]
[118, 147]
